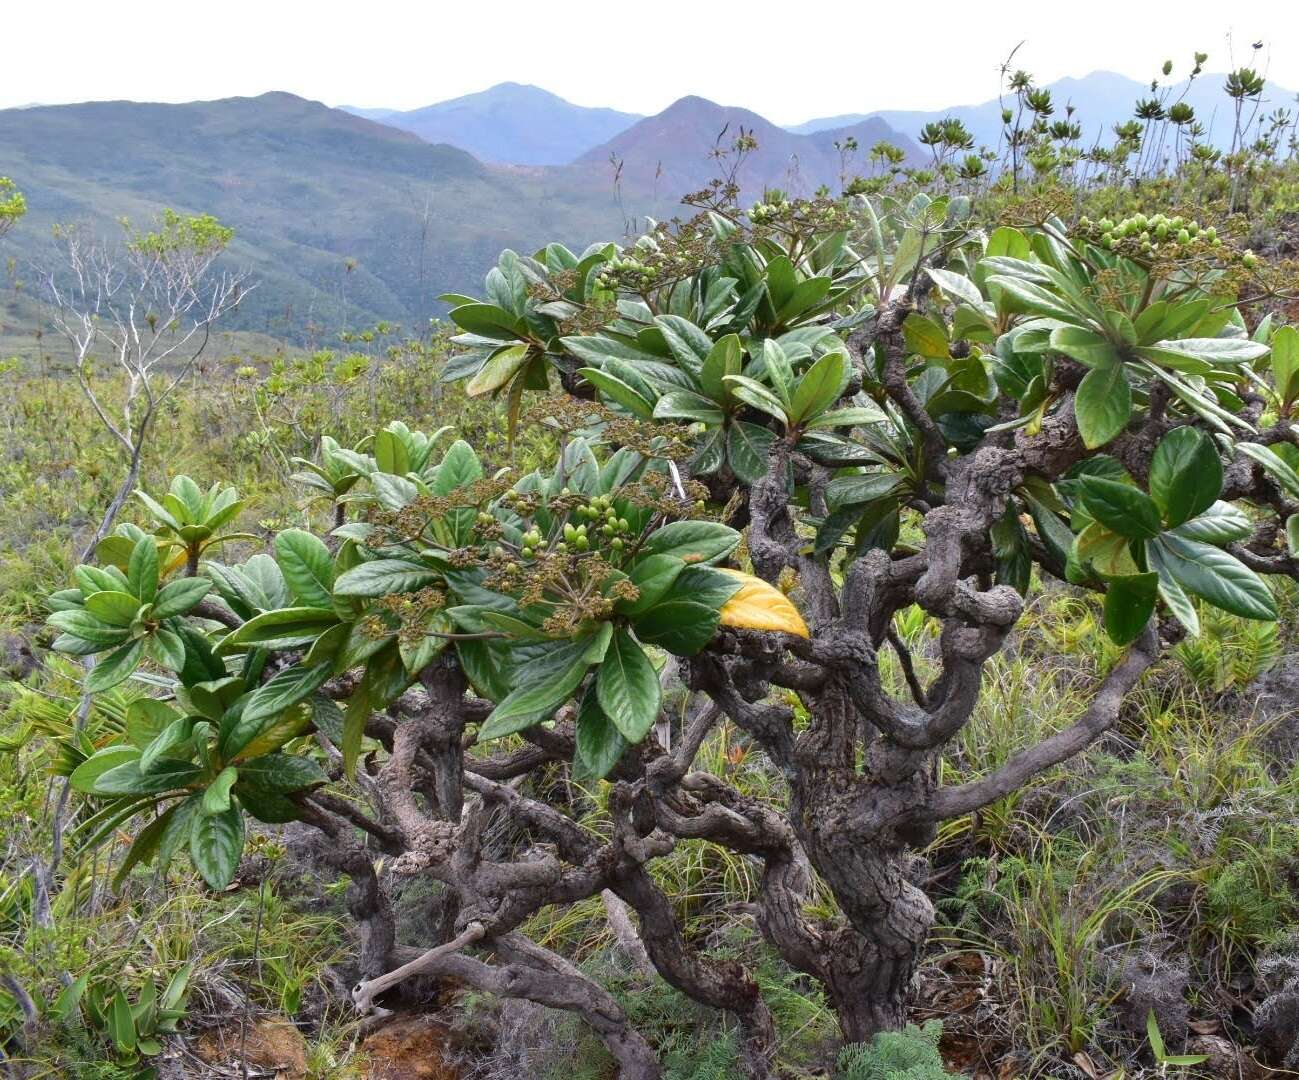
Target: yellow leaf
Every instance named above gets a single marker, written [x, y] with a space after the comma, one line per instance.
[759, 606]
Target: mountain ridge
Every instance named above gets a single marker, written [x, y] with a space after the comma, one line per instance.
[344, 221]
[675, 149]
[509, 123]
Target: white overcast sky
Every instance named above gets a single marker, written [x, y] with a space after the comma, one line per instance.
[787, 61]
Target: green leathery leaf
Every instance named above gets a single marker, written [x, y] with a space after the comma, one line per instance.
[692, 541]
[216, 842]
[599, 743]
[142, 570]
[115, 667]
[216, 799]
[1129, 603]
[627, 687]
[384, 576]
[1213, 575]
[307, 566]
[1102, 405]
[177, 597]
[652, 576]
[1121, 508]
[1185, 474]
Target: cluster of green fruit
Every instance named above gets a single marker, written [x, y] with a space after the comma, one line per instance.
[625, 270]
[600, 520]
[760, 212]
[1145, 234]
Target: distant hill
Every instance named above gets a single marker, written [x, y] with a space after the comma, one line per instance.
[510, 123]
[1100, 100]
[344, 221]
[670, 152]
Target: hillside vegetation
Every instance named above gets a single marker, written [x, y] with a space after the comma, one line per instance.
[846, 637]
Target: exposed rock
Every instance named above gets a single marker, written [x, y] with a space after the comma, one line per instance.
[270, 1045]
[411, 1048]
[17, 660]
[1272, 703]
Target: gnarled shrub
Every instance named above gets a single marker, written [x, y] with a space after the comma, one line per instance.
[781, 431]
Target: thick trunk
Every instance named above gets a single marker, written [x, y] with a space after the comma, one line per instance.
[867, 963]
[868, 985]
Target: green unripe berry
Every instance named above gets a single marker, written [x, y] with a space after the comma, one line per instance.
[582, 543]
[1161, 230]
[616, 543]
[606, 529]
[1249, 260]
[624, 525]
[1183, 236]
[562, 548]
[528, 553]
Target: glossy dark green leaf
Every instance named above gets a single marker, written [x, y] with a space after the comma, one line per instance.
[142, 570]
[1121, 508]
[627, 687]
[861, 489]
[167, 743]
[543, 683]
[682, 627]
[285, 688]
[281, 773]
[167, 774]
[652, 576]
[747, 447]
[285, 628]
[1185, 474]
[384, 576]
[1220, 524]
[599, 743]
[145, 845]
[1129, 603]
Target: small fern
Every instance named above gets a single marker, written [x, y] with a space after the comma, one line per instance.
[911, 1054]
